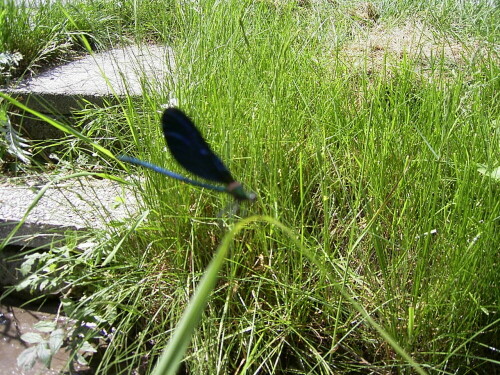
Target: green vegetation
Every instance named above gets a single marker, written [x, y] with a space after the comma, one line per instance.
[42, 33]
[378, 162]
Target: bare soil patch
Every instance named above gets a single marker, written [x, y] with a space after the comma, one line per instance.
[376, 46]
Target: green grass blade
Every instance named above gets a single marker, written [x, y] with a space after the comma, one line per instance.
[62, 127]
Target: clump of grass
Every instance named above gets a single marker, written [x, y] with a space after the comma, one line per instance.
[375, 173]
[49, 33]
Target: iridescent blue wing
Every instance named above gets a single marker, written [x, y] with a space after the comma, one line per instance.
[190, 149]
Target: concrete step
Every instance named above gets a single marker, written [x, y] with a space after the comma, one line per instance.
[120, 72]
[99, 79]
[74, 204]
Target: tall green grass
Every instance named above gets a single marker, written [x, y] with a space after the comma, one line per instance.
[50, 33]
[375, 172]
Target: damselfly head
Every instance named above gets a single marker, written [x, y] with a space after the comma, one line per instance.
[236, 190]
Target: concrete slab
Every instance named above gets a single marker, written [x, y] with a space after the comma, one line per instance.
[71, 205]
[98, 78]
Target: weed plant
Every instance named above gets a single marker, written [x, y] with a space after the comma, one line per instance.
[373, 170]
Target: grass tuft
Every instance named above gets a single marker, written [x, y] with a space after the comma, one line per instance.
[366, 153]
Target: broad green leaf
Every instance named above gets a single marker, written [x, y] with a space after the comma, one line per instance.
[56, 340]
[44, 354]
[88, 348]
[32, 338]
[45, 326]
[81, 360]
[27, 359]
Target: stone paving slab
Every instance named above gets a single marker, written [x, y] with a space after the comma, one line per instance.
[98, 78]
[70, 205]
[124, 71]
